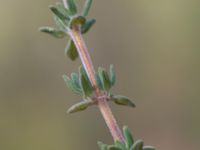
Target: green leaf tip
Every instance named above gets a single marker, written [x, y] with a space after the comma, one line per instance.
[71, 50]
[122, 100]
[128, 137]
[72, 6]
[148, 148]
[53, 32]
[138, 145]
[86, 7]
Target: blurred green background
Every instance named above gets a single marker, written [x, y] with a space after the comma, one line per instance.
[154, 46]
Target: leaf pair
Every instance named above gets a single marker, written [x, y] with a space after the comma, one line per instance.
[104, 80]
[129, 144]
[79, 84]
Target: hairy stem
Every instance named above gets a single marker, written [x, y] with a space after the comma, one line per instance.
[106, 112]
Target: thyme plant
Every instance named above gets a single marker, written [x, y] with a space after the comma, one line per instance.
[93, 86]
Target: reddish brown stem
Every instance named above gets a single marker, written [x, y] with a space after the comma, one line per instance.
[100, 96]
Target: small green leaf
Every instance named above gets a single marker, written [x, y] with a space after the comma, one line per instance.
[72, 6]
[112, 75]
[71, 85]
[79, 107]
[58, 13]
[71, 50]
[148, 148]
[122, 100]
[86, 86]
[77, 20]
[63, 10]
[104, 79]
[87, 26]
[102, 146]
[53, 32]
[86, 7]
[138, 145]
[128, 137]
[114, 147]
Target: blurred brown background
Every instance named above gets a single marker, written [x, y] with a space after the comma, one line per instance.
[154, 46]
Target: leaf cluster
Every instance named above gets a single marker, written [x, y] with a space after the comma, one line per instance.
[80, 84]
[66, 17]
[129, 144]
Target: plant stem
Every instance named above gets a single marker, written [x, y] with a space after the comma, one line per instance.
[105, 110]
